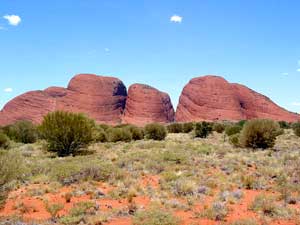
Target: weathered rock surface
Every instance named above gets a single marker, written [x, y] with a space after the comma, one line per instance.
[105, 99]
[212, 98]
[101, 98]
[146, 104]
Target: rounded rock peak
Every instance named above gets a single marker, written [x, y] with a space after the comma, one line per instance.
[209, 79]
[56, 91]
[93, 84]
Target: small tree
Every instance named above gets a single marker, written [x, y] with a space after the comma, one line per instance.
[155, 131]
[67, 132]
[259, 133]
[203, 129]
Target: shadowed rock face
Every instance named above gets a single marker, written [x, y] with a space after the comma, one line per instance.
[101, 98]
[212, 98]
[146, 104]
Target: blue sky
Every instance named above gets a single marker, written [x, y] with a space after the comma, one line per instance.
[256, 43]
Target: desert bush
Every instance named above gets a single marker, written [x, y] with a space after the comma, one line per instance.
[22, 131]
[136, 132]
[66, 132]
[203, 129]
[296, 128]
[241, 123]
[259, 133]
[187, 127]
[175, 128]
[4, 140]
[184, 187]
[100, 134]
[119, 134]
[235, 140]
[12, 169]
[217, 211]
[155, 216]
[233, 129]
[284, 125]
[218, 127]
[105, 127]
[155, 131]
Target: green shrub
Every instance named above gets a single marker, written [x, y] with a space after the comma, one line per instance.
[203, 129]
[241, 123]
[22, 131]
[119, 134]
[235, 140]
[155, 131]
[155, 216]
[187, 127]
[259, 133]
[233, 129]
[175, 128]
[136, 132]
[4, 140]
[284, 125]
[296, 129]
[66, 132]
[218, 127]
[105, 127]
[100, 134]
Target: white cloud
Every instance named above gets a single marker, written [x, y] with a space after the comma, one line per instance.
[8, 90]
[298, 70]
[176, 19]
[285, 74]
[106, 49]
[295, 103]
[13, 20]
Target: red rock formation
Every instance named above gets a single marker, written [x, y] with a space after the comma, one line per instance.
[30, 106]
[101, 98]
[146, 104]
[212, 98]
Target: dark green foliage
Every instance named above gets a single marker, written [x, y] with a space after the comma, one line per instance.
[4, 140]
[155, 131]
[66, 133]
[296, 129]
[219, 127]
[233, 129]
[175, 128]
[259, 133]
[203, 129]
[136, 132]
[22, 131]
[187, 127]
[119, 134]
[241, 123]
[284, 125]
